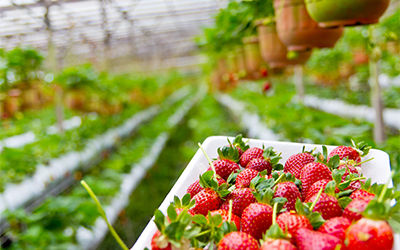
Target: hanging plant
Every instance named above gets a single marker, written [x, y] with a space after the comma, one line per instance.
[334, 13]
[298, 31]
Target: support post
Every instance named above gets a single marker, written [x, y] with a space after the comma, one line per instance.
[376, 101]
[298, 80]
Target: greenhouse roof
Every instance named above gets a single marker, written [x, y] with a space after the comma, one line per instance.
[141, 28]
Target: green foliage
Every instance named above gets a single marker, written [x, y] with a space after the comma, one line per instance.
[78, 77]
[24, 63]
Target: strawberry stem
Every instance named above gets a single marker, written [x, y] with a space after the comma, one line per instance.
[316, 199]
[370, 159]
[103, 215]
[274, 211]
[208, 159]
[279, 178]
[230, 211]
[383, 192]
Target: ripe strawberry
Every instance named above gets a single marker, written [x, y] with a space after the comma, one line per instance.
[336, 226]
[256, 219]
[291, 222]
[225, 217]
[159, 242]
[206, 200]
[249, 154]
[224, 168]
[361, 194]
[289, 191]
[327, 205]
[313, 172]
[238, 240]
[346, 152]
[244, 178]
[277, 244]
[241, 198]
[260, 164]
[368, 234]
[354, 185]
[355, 208]
[314, 189]
[296, 162]
[195, 187]
[307, 239]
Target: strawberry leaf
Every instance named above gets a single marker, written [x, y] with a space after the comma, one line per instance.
[228, 153]
[240, 143]
[344, 201]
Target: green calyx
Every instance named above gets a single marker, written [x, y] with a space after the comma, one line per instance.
[238, 142]
[306, 209]
[208, 180]
[362, 147]
[177, 229]
[273, 158]
[185, 203]
[275, 232]
[228, 153]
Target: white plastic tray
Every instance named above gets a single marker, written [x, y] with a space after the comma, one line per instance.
[377, 169]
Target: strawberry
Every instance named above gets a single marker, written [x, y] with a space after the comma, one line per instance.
[159, 242]
[206, 200]
[350, 170]
[368, 234]
[244, 178]
[195, 187]
[336, 226]
[313, 172]
[225, 217]
[260, 164]
[249, 154]
[241, 198]
[327, 205]
[291, 222]
[296, 162]
[361, 194]
[289, 191]
[238, 240]
[277, 244]
[240, 144]
[307, 239]
[351, 153]
[314, 189]
[256, 219]
[224, 168]
[354, 209]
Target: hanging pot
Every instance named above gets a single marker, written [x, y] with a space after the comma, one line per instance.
[252, 55]
[30, 98]
[273, 51]
[12, 103]
[298, 31]
[75, 99]
[334, 13]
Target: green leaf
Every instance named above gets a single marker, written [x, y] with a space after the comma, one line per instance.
[171, 212]
[186, 200]
[344, 201]
[199, 219]
[330, 188]
[159, 219]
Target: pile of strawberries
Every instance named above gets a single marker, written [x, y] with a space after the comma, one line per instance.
[248, 200]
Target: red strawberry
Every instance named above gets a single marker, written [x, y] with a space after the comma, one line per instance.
[206, 200]
[327, 205]
[250, 154]
[307, 239]
[241, 198]
[289, 191]
[260, 164]
[238, 240]
[256, 219]
[354, 185]
[296, 162]
[195, 187]
[356, 207]
[314, 189]
[291, 222]
[346, 152]
[336, 226]
[224, 168]
[361, 194]
[313, 172]
[244, 178]
[277, 244]
[225, 217]
[159, 242]
[367, 234]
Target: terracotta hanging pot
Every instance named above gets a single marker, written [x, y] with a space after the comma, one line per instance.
[75, 99]
[252, 56]
[12, 102]
[298, 31]
[334, 13]
[273, 51]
